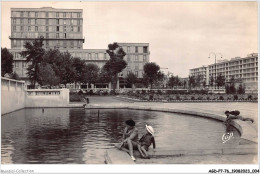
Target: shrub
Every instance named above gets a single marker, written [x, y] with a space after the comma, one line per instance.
[249, 97]
[80, 92]
[192, 98]
[235, 97]
[178, 97]
[74, 97]
[221, 98]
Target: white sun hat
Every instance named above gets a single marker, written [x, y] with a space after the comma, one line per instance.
[149, 129]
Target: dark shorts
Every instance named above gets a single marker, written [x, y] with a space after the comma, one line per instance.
[135, 147]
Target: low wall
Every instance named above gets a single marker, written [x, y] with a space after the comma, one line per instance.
[47, 98]
[13, 95]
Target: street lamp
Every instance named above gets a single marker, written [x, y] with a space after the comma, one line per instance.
[215, 54]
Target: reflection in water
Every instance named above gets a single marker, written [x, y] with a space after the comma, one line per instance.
[63, 135]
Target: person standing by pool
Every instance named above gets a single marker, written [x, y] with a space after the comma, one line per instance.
[231, 115]
[130, 138]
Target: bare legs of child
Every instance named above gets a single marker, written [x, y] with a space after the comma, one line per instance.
[143, 152]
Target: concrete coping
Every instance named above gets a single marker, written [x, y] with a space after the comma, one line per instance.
[246, 130]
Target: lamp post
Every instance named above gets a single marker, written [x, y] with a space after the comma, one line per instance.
[215, 55]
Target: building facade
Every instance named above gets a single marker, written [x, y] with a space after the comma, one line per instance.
[203, 72]
[244, 70]
[63, 29]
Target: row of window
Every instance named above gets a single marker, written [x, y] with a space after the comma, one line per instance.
[47, 14]
[36, 28]
[43, 93]
[136, 50]
[46, 22]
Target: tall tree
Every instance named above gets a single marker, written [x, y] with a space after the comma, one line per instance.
[47, 75]
[220, 81]
[192, 81]
[211, 81]
[6, 62]
[34, 53]
[79, 66]
[198, 80]
[116, 63]
[151, 71]
[131, 79]
[91, 72]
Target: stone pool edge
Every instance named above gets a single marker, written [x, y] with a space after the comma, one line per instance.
[246, 130]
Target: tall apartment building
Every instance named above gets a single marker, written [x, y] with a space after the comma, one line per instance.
[63, 29]
[203, 71]
[244, 70]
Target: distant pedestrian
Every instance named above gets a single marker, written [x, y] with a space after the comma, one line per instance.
[87, 101]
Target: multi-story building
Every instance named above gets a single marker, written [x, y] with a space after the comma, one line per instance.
[244, 70]
[203, 72]
[63, 29]
[137, 55]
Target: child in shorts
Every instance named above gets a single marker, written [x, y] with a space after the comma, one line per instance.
[146, 141]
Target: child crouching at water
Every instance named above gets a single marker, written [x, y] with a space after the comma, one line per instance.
[146, 141]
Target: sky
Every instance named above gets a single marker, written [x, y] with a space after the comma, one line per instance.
[181, 34]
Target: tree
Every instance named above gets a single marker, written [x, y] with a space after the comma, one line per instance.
[131, 79]
[174, 81]
[192, 81]
[220, 81]
[116, 63]
[47, 75]
[34, 53]
[151, 71]
[241, 89]
[198, 80]
[211, 81]
[6, 62]
[79, 66]
[90, 74]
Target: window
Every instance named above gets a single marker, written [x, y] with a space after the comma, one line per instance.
[136, 58]
[64, 28]
[128, 58]
[78, 22]
[71, 28]
[29, 21]
[78, 15]
[89, 56]
[47, 43]
[64, 15]
[21, 13]
[21, 21]
[64, 22]
[21, 28]
[144, 58]
[14, 21]
[136, 49]
[136, 73]
[136, 66]
[47, 35]
[71, 43]
[36, 14]
[47, 14]
[57, 21]
[57, 35]
[128, 66]
[57, 28]
[57, 14]
[105, 55]
[128, 49]
[36, 28]
[96, 55]
[78, 29]
[28, 14]
[36, 21]
[47, 21]
[14, 28]
[145, 50]
[65, 35]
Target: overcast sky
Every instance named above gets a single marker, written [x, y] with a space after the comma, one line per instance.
[181, 34]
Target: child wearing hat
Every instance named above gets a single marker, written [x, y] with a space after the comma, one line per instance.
[146, 141]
